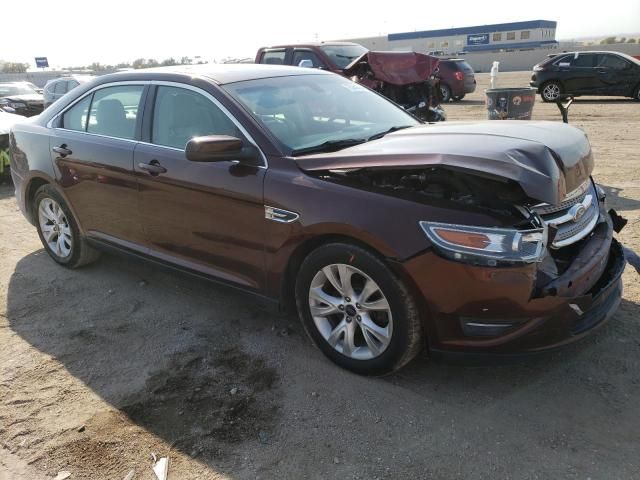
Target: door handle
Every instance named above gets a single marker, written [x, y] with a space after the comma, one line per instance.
[153, 167]
[62, 150]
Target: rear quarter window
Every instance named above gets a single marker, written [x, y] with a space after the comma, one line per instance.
[273, 57]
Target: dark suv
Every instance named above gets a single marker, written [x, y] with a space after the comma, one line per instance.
[587, 73]
[456, 76]
[387, 235]
[456, 79]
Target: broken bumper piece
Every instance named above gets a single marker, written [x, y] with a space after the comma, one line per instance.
[500, 310]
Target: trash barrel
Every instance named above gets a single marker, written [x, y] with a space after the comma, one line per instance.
[510, 103]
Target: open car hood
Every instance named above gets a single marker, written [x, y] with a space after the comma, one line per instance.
[397, 68]
[547, 159]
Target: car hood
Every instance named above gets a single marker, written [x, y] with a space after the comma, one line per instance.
[27, 98]
[547, 159]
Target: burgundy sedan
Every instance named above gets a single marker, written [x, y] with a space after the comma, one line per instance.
[386, 235]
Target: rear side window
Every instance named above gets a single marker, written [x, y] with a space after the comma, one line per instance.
[114, 111]
[300, 55]
[180, 114]
[273, 57]
[613, 61]
[76, 117]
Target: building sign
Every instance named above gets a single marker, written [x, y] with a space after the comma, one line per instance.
[478, 39]
[42, 62]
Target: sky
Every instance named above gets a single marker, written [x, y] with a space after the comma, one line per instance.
[79, 32]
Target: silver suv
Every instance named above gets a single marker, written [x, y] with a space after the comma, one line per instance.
[56, 88]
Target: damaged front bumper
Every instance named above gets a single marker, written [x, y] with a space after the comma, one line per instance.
[504, 310]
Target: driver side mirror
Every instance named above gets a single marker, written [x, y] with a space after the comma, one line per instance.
[220, 148]
[306, 63]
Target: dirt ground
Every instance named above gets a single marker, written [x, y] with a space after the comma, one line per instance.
[103, 366]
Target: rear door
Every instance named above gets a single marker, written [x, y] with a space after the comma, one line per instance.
[205, 216]
[616, 75]
[92, 145]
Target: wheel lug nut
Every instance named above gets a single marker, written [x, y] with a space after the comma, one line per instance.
[340, 307]
[349, 319]
[358, 305]
[358, 318]
[348, 299]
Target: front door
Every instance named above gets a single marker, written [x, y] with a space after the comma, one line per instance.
[92, 145]
[205, 216]
[617, 75]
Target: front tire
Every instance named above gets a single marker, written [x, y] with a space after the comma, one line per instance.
[550, 91]
[636, 94]
[58, 230]
[356, 310]
[458, 98]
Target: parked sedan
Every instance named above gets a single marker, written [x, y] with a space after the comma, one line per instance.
[387, 235]
[20, 98]
[587, 73]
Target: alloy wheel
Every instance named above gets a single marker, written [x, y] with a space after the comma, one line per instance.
[350, 311]
[55, 228]
[551, 91]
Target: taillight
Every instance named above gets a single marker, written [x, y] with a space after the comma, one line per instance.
[459, 75]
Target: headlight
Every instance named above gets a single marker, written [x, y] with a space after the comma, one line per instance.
[484, 245]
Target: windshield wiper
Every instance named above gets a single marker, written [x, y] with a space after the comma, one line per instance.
[386, 132]
[329, 146]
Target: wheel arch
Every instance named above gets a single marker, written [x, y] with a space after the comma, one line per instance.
[34, 183]
[287, 290]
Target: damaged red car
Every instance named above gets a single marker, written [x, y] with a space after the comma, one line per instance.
[388, 236]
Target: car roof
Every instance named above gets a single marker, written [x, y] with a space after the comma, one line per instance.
[221, 73]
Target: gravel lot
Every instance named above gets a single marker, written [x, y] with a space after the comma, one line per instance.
[103, 366]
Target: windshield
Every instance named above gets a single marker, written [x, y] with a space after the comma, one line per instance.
[343, 55]
[307, 111]
[9, 89]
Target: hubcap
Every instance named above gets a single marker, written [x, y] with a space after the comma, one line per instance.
[350, 311]
[551, 91]
[55, 227]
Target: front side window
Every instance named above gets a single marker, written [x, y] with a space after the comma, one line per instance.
[300, 55]
[180, 115]
[304, 111]
[114, 111]
[525, 35]
[273, 57]
[511, 35]
[76, 117]
[497, 37]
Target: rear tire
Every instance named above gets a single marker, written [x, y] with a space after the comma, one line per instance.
[58, 230]
[356, 310]
[445, 92]
[550, 91]
[636, 94]
[458, 98]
